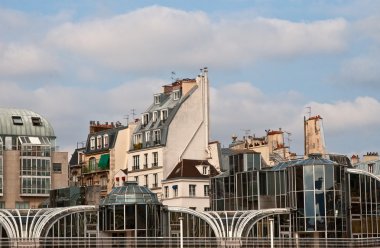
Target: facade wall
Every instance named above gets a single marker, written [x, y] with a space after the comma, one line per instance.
[200, 201]
[188, 135]
[60, 179]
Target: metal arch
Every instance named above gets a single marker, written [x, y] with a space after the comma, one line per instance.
[40, 219]
[12, 218]
[212, 219]
[252, 215]
[363, 172]
[66, 211]
[198, 214]
[6, 223]
[241, 218]
[35, 219]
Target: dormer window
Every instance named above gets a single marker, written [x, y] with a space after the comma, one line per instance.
[105, 140]
[176, 95]
[147, 136]
[157, 136]
[17, 120]
[205, 172]
[145, 118]
[99, 141]
[36, 121]
[157, 99]
[92, 143]
[155, 116]
[137, 138]
[164, 114]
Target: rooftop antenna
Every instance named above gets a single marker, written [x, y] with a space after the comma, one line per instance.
[133, 113]
[247, 132]
[126, 117]
[309, 111]
[173, 75]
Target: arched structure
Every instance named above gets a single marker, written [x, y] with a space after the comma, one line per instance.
[232, 224]
[35, 223]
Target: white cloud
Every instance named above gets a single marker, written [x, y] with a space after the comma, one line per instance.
[157, 37]
[21, 60]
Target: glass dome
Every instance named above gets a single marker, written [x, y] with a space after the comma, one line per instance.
[130, 193]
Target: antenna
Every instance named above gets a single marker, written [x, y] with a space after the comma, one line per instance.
[309, 111]
[126, 117]
[133, 113]
[173, 75]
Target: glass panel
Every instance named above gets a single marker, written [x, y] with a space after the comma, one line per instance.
[299, 178]
[308, 177]
[310, 224]
[319, 177]
[330, 210]
[309, 204]
[319, 203]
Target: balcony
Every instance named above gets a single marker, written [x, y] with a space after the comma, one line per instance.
[145, 166]
[155, 164]
[136, 167]
[137, 146]
[155, 185]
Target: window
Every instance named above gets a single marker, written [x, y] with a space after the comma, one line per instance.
[145, 160]
[92, 164]
[145, 119]
[22, 205]
[147, 136]
[103, 183]
[164, 114]
[137, 140]
[155, 159]
[92, 143]
[157, 136]
[155, 179]
[146, 181]
[136, 162]
[2, 204]
[99, 141]
[205, 170]
[57, 167]
[36, 121]
[105, 140]
[175, 190]
[192, 190]
[17, 120]
[206, 189]
[156, 99]
[166, 192]
[193, 208]
[137, 179]
[155, 116]
[370, 168]
[176, 95]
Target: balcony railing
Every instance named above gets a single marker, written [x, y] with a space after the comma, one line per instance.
[136, 167]
[154, 164]
[155, 185]
[145, 166]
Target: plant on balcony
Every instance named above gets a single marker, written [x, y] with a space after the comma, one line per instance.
[137, 146]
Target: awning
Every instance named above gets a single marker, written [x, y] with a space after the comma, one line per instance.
[104, 162]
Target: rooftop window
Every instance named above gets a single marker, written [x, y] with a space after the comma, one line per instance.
[36, 121]
[17, 120]
[176, 95]
[157, 99]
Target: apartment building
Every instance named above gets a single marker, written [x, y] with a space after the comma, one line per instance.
[30, 165]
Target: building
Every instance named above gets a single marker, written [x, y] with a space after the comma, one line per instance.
[174, 128]
[188, 185]
[271, 146]
[103, 155]
[30, 164]
[314, 135]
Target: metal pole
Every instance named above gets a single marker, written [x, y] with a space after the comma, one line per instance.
[271, 232]
[181, 231]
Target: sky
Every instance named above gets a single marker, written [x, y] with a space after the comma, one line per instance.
[270, 64]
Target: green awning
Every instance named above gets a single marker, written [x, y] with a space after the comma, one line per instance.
[104, 161]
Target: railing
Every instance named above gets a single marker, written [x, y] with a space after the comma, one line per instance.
[153, 242]
[154, 185]
[136, 167]
[155, 164]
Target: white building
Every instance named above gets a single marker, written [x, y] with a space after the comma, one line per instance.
[175, 127]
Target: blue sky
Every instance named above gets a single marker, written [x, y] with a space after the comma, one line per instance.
[76, 61]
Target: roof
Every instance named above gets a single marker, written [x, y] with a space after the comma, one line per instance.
[74, 160]
[22, 122]
[187, 169]
[112, 135]
[130, 193]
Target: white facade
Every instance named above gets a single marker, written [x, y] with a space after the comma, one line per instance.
[174, 127]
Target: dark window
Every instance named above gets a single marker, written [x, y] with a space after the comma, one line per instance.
[57, 167]
[36, 121]
[17, 120]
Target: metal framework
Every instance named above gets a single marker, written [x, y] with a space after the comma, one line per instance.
[231, 224]
[35, 223]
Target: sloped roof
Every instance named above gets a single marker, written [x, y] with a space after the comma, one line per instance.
[26, 127]
[187, 169]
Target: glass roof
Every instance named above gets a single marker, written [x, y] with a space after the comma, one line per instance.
[313, 159]
[130, 193]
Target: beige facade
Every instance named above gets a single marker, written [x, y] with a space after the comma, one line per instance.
[314, 136]
[30, 164]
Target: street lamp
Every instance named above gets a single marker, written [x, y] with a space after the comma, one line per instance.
[271, 220]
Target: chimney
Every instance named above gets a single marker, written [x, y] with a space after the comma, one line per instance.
[371, 156]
